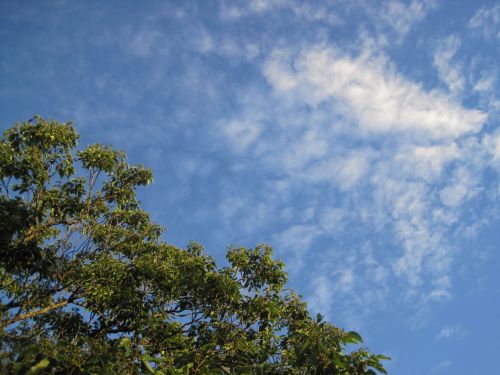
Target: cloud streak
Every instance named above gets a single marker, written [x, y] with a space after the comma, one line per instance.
[366, 89]
[487, 21]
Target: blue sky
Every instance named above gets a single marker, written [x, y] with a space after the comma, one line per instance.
[359, 138]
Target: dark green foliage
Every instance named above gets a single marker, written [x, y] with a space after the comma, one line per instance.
[88, 286]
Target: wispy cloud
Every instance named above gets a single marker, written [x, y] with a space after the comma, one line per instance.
[403, 16]
[451, 332]
[442, 366]
[366, 89]
[243, 134]
[449, 70]
[401, 155]
[297, 240]
[487, 21]
[232, 11]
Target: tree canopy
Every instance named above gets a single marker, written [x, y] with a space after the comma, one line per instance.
[88, 285]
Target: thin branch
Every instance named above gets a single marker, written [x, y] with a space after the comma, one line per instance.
[35, 313]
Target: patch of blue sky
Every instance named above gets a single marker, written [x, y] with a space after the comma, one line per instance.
[359, 138]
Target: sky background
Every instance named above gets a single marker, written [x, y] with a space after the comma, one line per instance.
[359, 138]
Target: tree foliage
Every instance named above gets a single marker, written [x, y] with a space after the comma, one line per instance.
[88, 285]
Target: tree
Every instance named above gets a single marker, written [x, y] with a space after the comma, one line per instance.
[88, 285]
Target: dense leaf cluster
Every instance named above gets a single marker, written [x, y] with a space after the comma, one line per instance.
[89, 287]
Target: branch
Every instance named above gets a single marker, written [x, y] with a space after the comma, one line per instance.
[35, 313]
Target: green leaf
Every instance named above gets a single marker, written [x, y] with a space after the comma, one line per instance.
[145, 359]
[353, 338]
[40, 366]
[127, 345]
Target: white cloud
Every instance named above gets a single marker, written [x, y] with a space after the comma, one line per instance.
[367, 89]
[354, 276]
[486, 82]
[326, 288]
[297, 238]
[332, 219]
[295, 241]
[346, 280]
[492, 144]
[487, 21]
[451, 332]
[462, 187]
[259, 6]
[344, 170]
[415, 184]
[188, 166]
[376, 101]
[299, 152]
[231, 205]
[427, 162]
[234, 10]
[393, 159]
[442, 366]
[315, 12]
[351, 170]
[322, 295]
[143, 42]
[241, 134]
[401, 16]
[450, 72]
